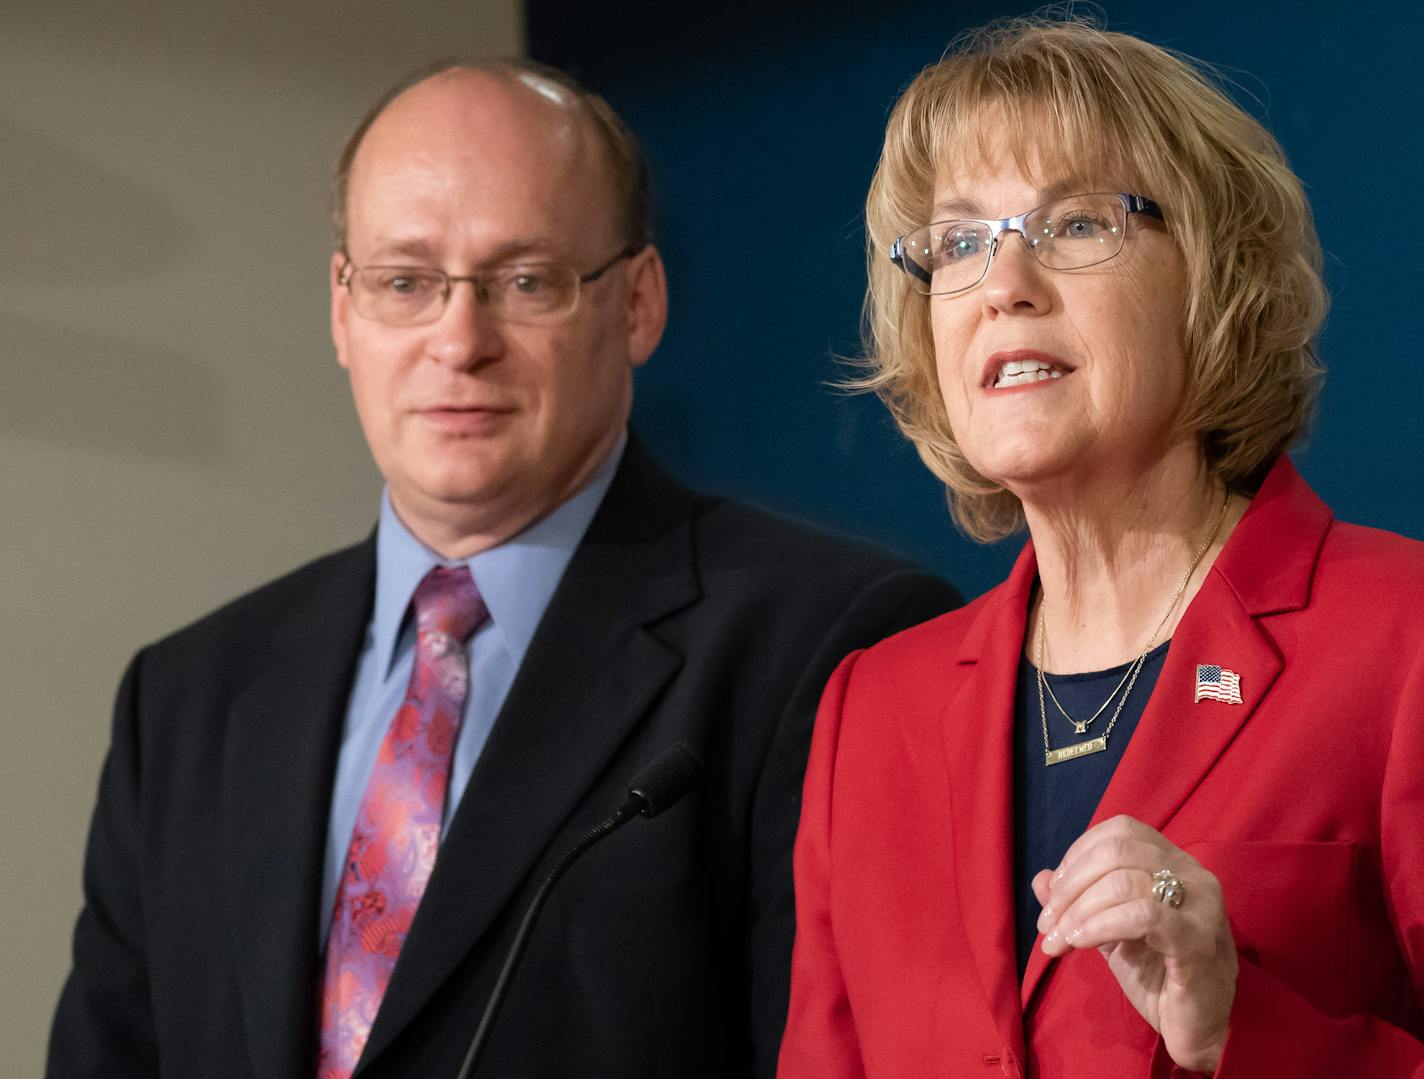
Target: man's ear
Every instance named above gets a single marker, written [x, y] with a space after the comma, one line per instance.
[647, 304]
[340, 298]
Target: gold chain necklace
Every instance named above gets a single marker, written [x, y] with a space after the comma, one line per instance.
[1100, 743]
[1081, 726]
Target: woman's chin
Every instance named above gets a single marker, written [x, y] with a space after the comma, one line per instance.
[1023, 468]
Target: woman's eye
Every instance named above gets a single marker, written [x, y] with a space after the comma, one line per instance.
[961, 245]
[1081, 228]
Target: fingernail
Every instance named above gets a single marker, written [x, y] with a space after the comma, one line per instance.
[1075, 936]
[1051, 941]
[1045, 918]
[1057, 875]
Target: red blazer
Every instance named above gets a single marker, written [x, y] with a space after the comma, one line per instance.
[1306, 801]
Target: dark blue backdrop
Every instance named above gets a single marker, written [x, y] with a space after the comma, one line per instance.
[762, 124]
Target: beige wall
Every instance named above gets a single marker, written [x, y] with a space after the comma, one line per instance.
[173, 429]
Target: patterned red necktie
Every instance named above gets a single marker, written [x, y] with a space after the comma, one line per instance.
[397, 831]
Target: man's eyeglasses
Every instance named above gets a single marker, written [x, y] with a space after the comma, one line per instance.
[1070, 233]
[532, 293]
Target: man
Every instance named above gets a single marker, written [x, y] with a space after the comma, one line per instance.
[327, 805]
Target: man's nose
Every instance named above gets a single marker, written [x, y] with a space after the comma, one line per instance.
[467, 332]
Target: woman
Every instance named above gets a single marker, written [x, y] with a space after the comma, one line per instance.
[1155, 805]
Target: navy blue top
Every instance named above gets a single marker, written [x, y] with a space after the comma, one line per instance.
[1054, 803]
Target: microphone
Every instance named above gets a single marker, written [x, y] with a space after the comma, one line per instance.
[659, 785]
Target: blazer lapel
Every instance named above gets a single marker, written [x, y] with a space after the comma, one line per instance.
[1177, 742]
[283, 736]
[982, 809]
[591, 672]
[1265, 568]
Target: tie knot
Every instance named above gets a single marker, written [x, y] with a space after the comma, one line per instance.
[448, 602]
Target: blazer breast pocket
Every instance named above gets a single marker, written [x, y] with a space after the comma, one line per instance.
[1291, 906]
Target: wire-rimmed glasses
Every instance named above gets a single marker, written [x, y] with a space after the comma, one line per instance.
[529, 293]
[1069, 233]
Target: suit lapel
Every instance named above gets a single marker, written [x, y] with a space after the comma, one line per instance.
[591, 672]
[1265, 568]
[982, 808]
[283, 736]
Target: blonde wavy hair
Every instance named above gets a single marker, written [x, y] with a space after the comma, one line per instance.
[1109, 105]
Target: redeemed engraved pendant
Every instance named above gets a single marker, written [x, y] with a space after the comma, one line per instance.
[1081, 749]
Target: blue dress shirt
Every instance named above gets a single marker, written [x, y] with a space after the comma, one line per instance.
[517, 579]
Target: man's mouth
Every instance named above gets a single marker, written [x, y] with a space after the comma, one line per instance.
[466, 419]
[464, 409]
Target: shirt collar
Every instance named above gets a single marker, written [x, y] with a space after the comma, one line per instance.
[517, 578]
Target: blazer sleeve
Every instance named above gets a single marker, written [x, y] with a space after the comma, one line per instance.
[1276, 1031]
[104, 1025]
[820, 1039]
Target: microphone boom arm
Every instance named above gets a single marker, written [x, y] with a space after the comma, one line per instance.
[625, 813]
[655, 788]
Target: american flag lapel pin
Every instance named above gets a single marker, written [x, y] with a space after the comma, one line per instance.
[1216, 683]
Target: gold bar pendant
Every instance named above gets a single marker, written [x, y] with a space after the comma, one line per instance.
[1082, 749]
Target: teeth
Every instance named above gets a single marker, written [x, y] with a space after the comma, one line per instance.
[1020, 373]
[1018, 367]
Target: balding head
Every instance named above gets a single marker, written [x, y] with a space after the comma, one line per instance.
[493, 135]
[568, 101]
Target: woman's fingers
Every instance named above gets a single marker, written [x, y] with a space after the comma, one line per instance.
[1039, 884]
[1109, 852]
[1113, 887]
[1104, 918]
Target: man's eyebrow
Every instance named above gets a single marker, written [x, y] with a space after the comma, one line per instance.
[414, 249]
[425, 253]
[519, 248]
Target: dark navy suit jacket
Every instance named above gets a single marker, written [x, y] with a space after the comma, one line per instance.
[664, 952]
